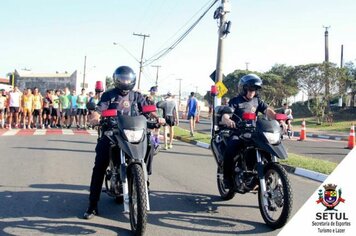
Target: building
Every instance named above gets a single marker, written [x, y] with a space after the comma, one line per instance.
[5, 84]
[28, 79]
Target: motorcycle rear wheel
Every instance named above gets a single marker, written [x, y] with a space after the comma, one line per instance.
[279, 196]
[138, 200]
[225, 193]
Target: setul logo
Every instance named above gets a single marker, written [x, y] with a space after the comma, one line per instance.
[330, 198]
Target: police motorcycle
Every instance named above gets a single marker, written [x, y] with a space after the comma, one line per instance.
[126, 177]
[256, 167]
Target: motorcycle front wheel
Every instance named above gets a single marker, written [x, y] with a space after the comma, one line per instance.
[138, 200]
[225, 193]
[278, 196]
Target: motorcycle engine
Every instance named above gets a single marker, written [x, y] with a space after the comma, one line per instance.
[245, 180]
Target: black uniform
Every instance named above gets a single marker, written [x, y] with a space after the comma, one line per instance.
[131, 103]
[241, 105]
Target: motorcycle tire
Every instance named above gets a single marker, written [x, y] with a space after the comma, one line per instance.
[225, 193]
[138, 200]
[278, 185]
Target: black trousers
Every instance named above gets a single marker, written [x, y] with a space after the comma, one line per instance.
[233, 148]
[102, 159]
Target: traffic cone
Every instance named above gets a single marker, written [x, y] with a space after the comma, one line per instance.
[303, 133]
[351, 143]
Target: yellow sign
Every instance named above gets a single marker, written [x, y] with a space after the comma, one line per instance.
[221, 88]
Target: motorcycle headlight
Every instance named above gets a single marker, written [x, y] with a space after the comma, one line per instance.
[133, 136]
[273, 138]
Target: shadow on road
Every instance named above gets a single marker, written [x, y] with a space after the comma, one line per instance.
[47, 209]
[55, 149]
[58, 208]
[198, 212]
[70, 141]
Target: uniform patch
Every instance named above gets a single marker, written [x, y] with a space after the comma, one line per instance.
[126, 104]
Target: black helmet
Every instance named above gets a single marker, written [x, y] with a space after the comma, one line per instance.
[249, 82]
[124, 79]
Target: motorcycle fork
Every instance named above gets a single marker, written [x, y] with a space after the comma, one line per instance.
[125, 185]
[143, 164]
[261, 178]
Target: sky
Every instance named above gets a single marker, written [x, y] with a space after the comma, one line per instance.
[46, 36]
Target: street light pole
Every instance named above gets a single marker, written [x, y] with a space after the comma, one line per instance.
[157, 67]
[180, 93]
[85, 65]
[141, 62]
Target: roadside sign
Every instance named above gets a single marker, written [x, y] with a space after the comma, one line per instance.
[212, 76]
[221, 88]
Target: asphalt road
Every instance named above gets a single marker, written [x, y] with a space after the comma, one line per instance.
[44, 191]
[323, 149]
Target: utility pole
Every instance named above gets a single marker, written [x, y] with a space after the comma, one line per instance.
[327, 83]
[179, 93]
[342, 56]
[247, 65]
[224, 29]
[85, 65]
[157, 67]
[141, 62]
[326, 43]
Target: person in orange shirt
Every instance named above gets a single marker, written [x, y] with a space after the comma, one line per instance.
[27, 104]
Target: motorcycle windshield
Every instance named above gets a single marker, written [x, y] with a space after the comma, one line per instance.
[264, 125]
[132, 122]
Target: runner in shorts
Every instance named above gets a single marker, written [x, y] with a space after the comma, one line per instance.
[3, 101]
[27, 104]
[55, 109]
[73, 108]
[37, 109]
[14, 106]
[65, 107]
[82, 101]
[47, 108]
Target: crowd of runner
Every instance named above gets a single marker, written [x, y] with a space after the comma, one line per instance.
[29, 109]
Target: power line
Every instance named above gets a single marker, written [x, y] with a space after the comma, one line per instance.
[183, 26]
[164, 52]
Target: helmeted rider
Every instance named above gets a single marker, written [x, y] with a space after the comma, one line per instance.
[127, 102]
[246, 101]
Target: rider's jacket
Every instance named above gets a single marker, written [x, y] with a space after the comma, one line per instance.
[129, 104]
[241, 105]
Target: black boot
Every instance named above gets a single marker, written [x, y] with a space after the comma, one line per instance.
[91, 211]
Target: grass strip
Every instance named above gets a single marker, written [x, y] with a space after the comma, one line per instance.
[294, 160]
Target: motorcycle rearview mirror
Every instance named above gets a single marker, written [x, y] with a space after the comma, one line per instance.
[249, 116]
[149, 108]
[109, 113]
[281, 117]
[91, 106]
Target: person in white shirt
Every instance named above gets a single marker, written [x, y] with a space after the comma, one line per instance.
[14, 106]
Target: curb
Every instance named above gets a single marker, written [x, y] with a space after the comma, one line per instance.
[313, 175]
[323, 136]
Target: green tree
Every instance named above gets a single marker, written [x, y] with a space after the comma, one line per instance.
[109, 83]
[350, 81]
[289, 86]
